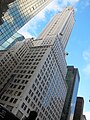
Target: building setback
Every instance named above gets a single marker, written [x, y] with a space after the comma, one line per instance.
[16, 14]
[72, 80]
[79, 108]
[37, 79]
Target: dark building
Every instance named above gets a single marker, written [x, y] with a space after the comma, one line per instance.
[79, 108]
[72, 79]
[6, 115]
[83, 117]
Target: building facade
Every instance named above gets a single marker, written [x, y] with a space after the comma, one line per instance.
[83, 117]
[15, 14]
[9, 60]
[36, 75]
[79, 109]
[6, 115]
[72, 79]
[36, 84]
[61, 25]
[12, 40]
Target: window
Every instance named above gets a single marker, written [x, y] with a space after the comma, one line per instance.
[39, 104]
[11, 99]
[23, 87]
[11, 92]
[34, 87]
[37, 110]
[18, 81]
[44, 118]
[23, 81]
[26, 76]
[6, 98]
[29, 76]
[19, 87]
[26, 98]
[7, 91]
[40, 88]
[41, 98]
[3, 97]
[25, 107]
[41, 115]
[15, 101]
[43, 109]
[35, 98]
[16, 92]
[32, 105]
[31, 94]
[19, 94]
[14, 86]
[19, 114]
[30, 91]
[32, 72]
[26, 81]
[29, 71]
[46, 113]
[28, 111]
[9, 107]
[22, 105]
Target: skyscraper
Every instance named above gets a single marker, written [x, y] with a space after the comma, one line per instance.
[78, 114]
[83, 117]
[36, 74]
[15, 14]
[72, 79]
[60, 26]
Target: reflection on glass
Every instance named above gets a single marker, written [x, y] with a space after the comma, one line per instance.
[3, 8]
[16, 13]
[5, 44]
[11, 41]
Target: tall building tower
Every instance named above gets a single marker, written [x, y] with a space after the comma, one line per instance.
[78, 114]
[16, 13]
[37, 80]
[60, 26]
[72, 79]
